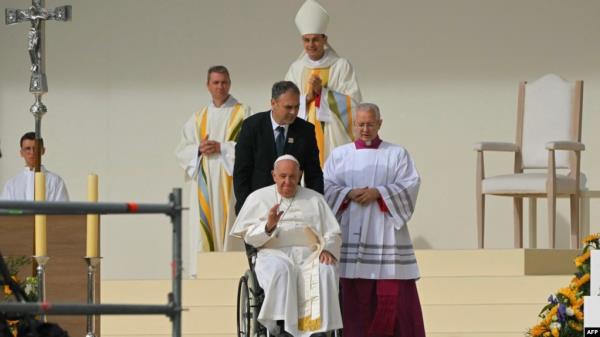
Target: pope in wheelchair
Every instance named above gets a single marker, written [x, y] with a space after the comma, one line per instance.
[298, 240]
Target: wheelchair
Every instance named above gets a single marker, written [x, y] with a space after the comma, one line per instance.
[250, 297]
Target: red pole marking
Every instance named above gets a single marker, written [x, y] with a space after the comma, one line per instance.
[173, 269]
[132, 207]
[45, 306]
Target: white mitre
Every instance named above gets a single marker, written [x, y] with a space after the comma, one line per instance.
[312, 18]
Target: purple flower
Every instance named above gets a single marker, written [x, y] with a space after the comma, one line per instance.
[552, 299]
[562, 313]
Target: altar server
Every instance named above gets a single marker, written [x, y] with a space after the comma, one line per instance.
[372, 186]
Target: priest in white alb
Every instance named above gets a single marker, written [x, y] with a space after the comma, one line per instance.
[327, 82]
[21, 186]
[298, 241]
[372, 187]
[206, 153]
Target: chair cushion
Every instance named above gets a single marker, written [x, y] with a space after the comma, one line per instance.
[526, 183]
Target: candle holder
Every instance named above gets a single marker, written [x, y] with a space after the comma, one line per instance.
[41, 279]
[92, 264]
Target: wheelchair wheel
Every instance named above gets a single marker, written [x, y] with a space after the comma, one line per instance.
[250, 299]
[244, 313]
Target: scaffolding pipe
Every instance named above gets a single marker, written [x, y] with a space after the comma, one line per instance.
[87, 309]
[175, 296]
[66, 208]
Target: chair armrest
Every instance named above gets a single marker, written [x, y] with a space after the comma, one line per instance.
[496, 146]
[565, 145]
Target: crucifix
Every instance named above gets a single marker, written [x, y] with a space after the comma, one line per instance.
[37, 15]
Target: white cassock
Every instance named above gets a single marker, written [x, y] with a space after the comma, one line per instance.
[21, 187]
[376, 244]
[211, 204]
[340, 94]
[298, 288]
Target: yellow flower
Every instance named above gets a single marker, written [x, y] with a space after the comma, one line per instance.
[538, 330]
[579, 315]
[568, 293]
[582, 258]
[555, 332]
[591, 237]
[7, 290]
[550, 315]
[578, 303]
[583, 280]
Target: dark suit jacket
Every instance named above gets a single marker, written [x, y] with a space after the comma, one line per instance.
[255, 154]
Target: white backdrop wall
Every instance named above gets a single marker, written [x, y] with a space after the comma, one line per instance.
[125, 75]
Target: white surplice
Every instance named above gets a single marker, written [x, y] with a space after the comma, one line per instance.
[298, 289]
[21, 186]
[218, 169]
[340, 94]
[376, 244]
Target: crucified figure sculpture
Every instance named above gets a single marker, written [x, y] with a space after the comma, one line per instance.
[37, 15]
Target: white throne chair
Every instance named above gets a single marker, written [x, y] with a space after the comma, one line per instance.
[546, 156]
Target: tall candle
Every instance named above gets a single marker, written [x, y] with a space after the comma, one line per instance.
[40, 220]
[93, 220]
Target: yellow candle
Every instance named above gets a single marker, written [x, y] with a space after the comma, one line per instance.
[40, 220]
[93, 220]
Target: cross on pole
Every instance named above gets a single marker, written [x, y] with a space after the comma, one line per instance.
[37, 15]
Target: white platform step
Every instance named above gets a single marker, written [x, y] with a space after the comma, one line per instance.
[496, 262]
[485, 262]
[483, 293]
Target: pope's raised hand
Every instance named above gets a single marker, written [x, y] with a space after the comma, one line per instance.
[273, 218]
